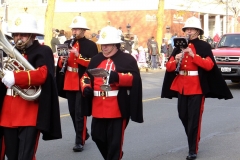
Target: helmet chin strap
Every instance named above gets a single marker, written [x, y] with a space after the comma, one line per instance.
[23, 45]
[109, 51]
[79, 35]
[195, 35]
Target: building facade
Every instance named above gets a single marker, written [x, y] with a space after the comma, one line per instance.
[141, 15]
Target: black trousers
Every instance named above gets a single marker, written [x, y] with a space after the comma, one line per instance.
[190, 109]
[2, 146]
[79, 122]
[108, 134]
[21, 143]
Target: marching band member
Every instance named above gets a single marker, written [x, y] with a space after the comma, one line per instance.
[23, 120]
[79, 57]
[198, 78]
[111, 110]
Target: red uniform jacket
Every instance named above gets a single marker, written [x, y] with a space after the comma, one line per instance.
[71, 81]
[16, 111]
[104, 106]
[188, 85]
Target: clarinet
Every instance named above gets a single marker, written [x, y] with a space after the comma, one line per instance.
[62, 71]
[180, 61]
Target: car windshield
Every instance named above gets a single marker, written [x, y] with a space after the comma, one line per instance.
[231, 41]
[40, 37]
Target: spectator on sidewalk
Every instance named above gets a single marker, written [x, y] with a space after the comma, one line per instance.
[61, 37]
[164, 51]
[94, 39]
[54, 40]
[154, 51]
[141, 58]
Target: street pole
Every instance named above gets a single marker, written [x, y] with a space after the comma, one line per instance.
[226, 16]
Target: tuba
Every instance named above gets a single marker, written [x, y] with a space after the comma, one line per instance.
[15, 61]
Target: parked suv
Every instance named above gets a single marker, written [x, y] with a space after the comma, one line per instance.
[227, 56]
[40, 39]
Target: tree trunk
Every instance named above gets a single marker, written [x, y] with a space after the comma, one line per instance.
[160, 22]
[48, 22]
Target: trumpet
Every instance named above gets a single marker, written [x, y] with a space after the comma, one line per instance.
[104, 74]
[106, 85]
[62, 71]
[182, 43]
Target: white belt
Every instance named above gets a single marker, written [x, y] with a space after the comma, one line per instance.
[105, 93]
[188, 73]
[71, 69]
[11, 92]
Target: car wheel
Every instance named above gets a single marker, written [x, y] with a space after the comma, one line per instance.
[235, 81]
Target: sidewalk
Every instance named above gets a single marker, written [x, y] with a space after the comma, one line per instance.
[151, 70]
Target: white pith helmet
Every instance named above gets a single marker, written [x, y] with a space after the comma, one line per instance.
[79, 22]
[109, 35]
[193, 22]
[24, 23]
[5, 29]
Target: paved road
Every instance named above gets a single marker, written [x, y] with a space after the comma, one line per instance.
[161, 136]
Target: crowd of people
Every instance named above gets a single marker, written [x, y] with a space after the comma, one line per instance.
[99, 78]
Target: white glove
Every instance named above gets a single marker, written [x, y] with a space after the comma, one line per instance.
[8, 79]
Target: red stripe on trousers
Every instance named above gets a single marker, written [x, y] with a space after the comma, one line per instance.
[199, 123]
[123, 131]
[36, 146]
[84, 130]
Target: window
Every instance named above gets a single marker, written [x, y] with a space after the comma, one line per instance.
[44, 1]
[99, 0]
[3, 1]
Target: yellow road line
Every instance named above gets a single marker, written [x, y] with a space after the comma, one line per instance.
[151, 99]
[65, 115]
[146, 100]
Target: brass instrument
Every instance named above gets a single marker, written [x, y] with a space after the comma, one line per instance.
[106, 85]
[100, 72]
[62, 71]
[15, 61]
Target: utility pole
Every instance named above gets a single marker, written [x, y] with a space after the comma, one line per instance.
[5, 17]
[226, 16]
[160, 21]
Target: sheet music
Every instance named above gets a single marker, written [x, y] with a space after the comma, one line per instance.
[98, 72]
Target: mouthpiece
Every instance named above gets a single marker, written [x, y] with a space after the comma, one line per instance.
[19, 42]
[187, 37]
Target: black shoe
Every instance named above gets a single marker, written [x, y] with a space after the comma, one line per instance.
[87, 136]
[191, 156]
[121, 155]
[78, 148]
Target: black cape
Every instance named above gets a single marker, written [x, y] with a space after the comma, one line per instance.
[48, 118]
[212, 83]
[130, 105]
[88, 49]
